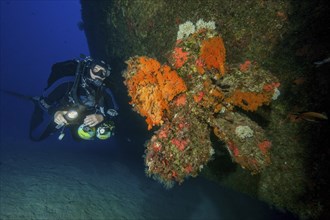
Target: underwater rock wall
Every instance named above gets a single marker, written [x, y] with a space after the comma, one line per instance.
[142, 27]
[273, 35]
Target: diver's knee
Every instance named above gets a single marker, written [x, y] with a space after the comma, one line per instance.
[36, 137]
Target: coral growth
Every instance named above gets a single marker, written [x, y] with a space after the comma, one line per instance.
[185, 30]
[197, 94]
[180, 154]
[245, 66]
[151, 86]
[249, 101]
[244, 149]
[180, 57]
[213, 53]
[265, 146]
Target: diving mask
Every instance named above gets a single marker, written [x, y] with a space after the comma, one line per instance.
[101, 73]
[100, 69]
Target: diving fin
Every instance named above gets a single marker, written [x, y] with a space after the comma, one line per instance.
[20, 96]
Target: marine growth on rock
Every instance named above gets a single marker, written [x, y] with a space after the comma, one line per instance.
[196, 92]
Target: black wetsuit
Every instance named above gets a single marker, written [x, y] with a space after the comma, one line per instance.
[58, 96]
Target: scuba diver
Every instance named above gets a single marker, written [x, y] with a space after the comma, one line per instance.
[76, 98]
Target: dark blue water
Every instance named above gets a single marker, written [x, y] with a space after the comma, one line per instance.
[64, 179]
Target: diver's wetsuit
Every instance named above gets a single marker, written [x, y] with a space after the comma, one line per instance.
[96, 100]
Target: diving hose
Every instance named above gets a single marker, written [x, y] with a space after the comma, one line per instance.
[62, 134]
[73, 93]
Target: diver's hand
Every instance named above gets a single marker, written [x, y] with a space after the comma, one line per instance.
[59, 117]
[93, 120]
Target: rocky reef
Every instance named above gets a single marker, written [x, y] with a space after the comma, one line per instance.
[215, 70]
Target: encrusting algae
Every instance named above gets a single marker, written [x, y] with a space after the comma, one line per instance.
[194, 94]
[213, 53]
[151, 87]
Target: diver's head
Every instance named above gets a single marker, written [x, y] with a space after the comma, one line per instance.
[98, 71]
